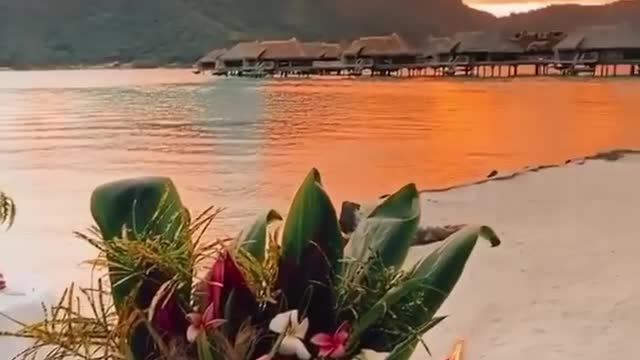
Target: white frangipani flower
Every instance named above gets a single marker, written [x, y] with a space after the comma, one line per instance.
[294, 332]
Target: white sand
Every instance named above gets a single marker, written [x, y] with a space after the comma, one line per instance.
[564, 284]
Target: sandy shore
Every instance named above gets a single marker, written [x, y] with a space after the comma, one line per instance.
[564, 283]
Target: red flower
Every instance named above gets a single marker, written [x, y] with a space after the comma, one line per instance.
[332, 345]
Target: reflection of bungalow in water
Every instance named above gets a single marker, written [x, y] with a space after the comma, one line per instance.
[381, 53]
[618, 44]
[480, 46]
[211, 61]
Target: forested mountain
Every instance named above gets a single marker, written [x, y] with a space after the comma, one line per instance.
[68, 32]
[569, 17]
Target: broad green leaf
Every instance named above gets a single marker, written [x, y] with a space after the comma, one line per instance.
[312, 218]
[144, 208]
[388, 230]
[435, 277]
[254, 238]
[439, 272]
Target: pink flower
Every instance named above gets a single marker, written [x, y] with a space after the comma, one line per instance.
[200, 323]
[332, 345]
[265, 357]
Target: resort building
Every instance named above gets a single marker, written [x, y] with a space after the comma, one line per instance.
[380, 54]
[601, 44]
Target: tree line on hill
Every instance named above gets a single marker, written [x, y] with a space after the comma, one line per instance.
[38, 33]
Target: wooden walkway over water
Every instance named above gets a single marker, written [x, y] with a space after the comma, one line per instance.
[482, 69]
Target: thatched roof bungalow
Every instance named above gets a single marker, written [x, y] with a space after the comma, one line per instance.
[322, 51]
[275, 55]
[606, 44]
[481, 46]
[438, 49]
[381, 51]
[242, 55]
[211, 60]
[538, 43]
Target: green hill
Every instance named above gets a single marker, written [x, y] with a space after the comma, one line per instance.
[70, 32]
[54, 32]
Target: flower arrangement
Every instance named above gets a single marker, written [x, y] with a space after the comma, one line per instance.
[285, 288]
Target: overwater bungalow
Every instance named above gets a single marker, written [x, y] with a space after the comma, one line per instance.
[483, 47]
[605, 45]
[285, 57]
[326, 57]
[211, 61]
[438, 50]
[282, 57]
[382, 54]
[468, 52]
[241, 58]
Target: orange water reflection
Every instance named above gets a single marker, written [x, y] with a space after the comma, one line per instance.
[370, 137]
[246, 144]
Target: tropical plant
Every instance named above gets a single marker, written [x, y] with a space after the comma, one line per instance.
[285, 288]
[7, 210]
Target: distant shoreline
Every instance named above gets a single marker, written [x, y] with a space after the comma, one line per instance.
[105, 66]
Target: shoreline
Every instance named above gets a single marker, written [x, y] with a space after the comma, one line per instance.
[495, 175]
[558, 286]
[123, 66]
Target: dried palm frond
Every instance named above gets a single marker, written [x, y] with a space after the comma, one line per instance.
[79, 326]
[7, 210]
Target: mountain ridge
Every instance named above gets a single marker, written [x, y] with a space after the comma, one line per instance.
[80, 32]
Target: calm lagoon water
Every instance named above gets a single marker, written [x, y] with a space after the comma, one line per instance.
[245, 144]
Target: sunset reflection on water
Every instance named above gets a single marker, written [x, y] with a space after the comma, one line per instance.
[246, 144]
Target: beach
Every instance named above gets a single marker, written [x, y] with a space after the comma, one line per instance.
[562, 284]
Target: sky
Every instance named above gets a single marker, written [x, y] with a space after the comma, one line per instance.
[506, 7]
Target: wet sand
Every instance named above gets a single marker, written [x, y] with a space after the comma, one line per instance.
[563, 285]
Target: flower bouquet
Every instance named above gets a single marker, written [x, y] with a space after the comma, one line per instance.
[285, 288]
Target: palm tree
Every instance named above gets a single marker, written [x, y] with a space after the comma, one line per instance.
[7, 210]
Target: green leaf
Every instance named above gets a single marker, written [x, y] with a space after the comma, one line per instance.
[405, 349]
[435, 277]
[204, 349]
[439, 272]
[387, 231]
[312, 218]
[144, 206]
[253, 239]
[144, 209]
